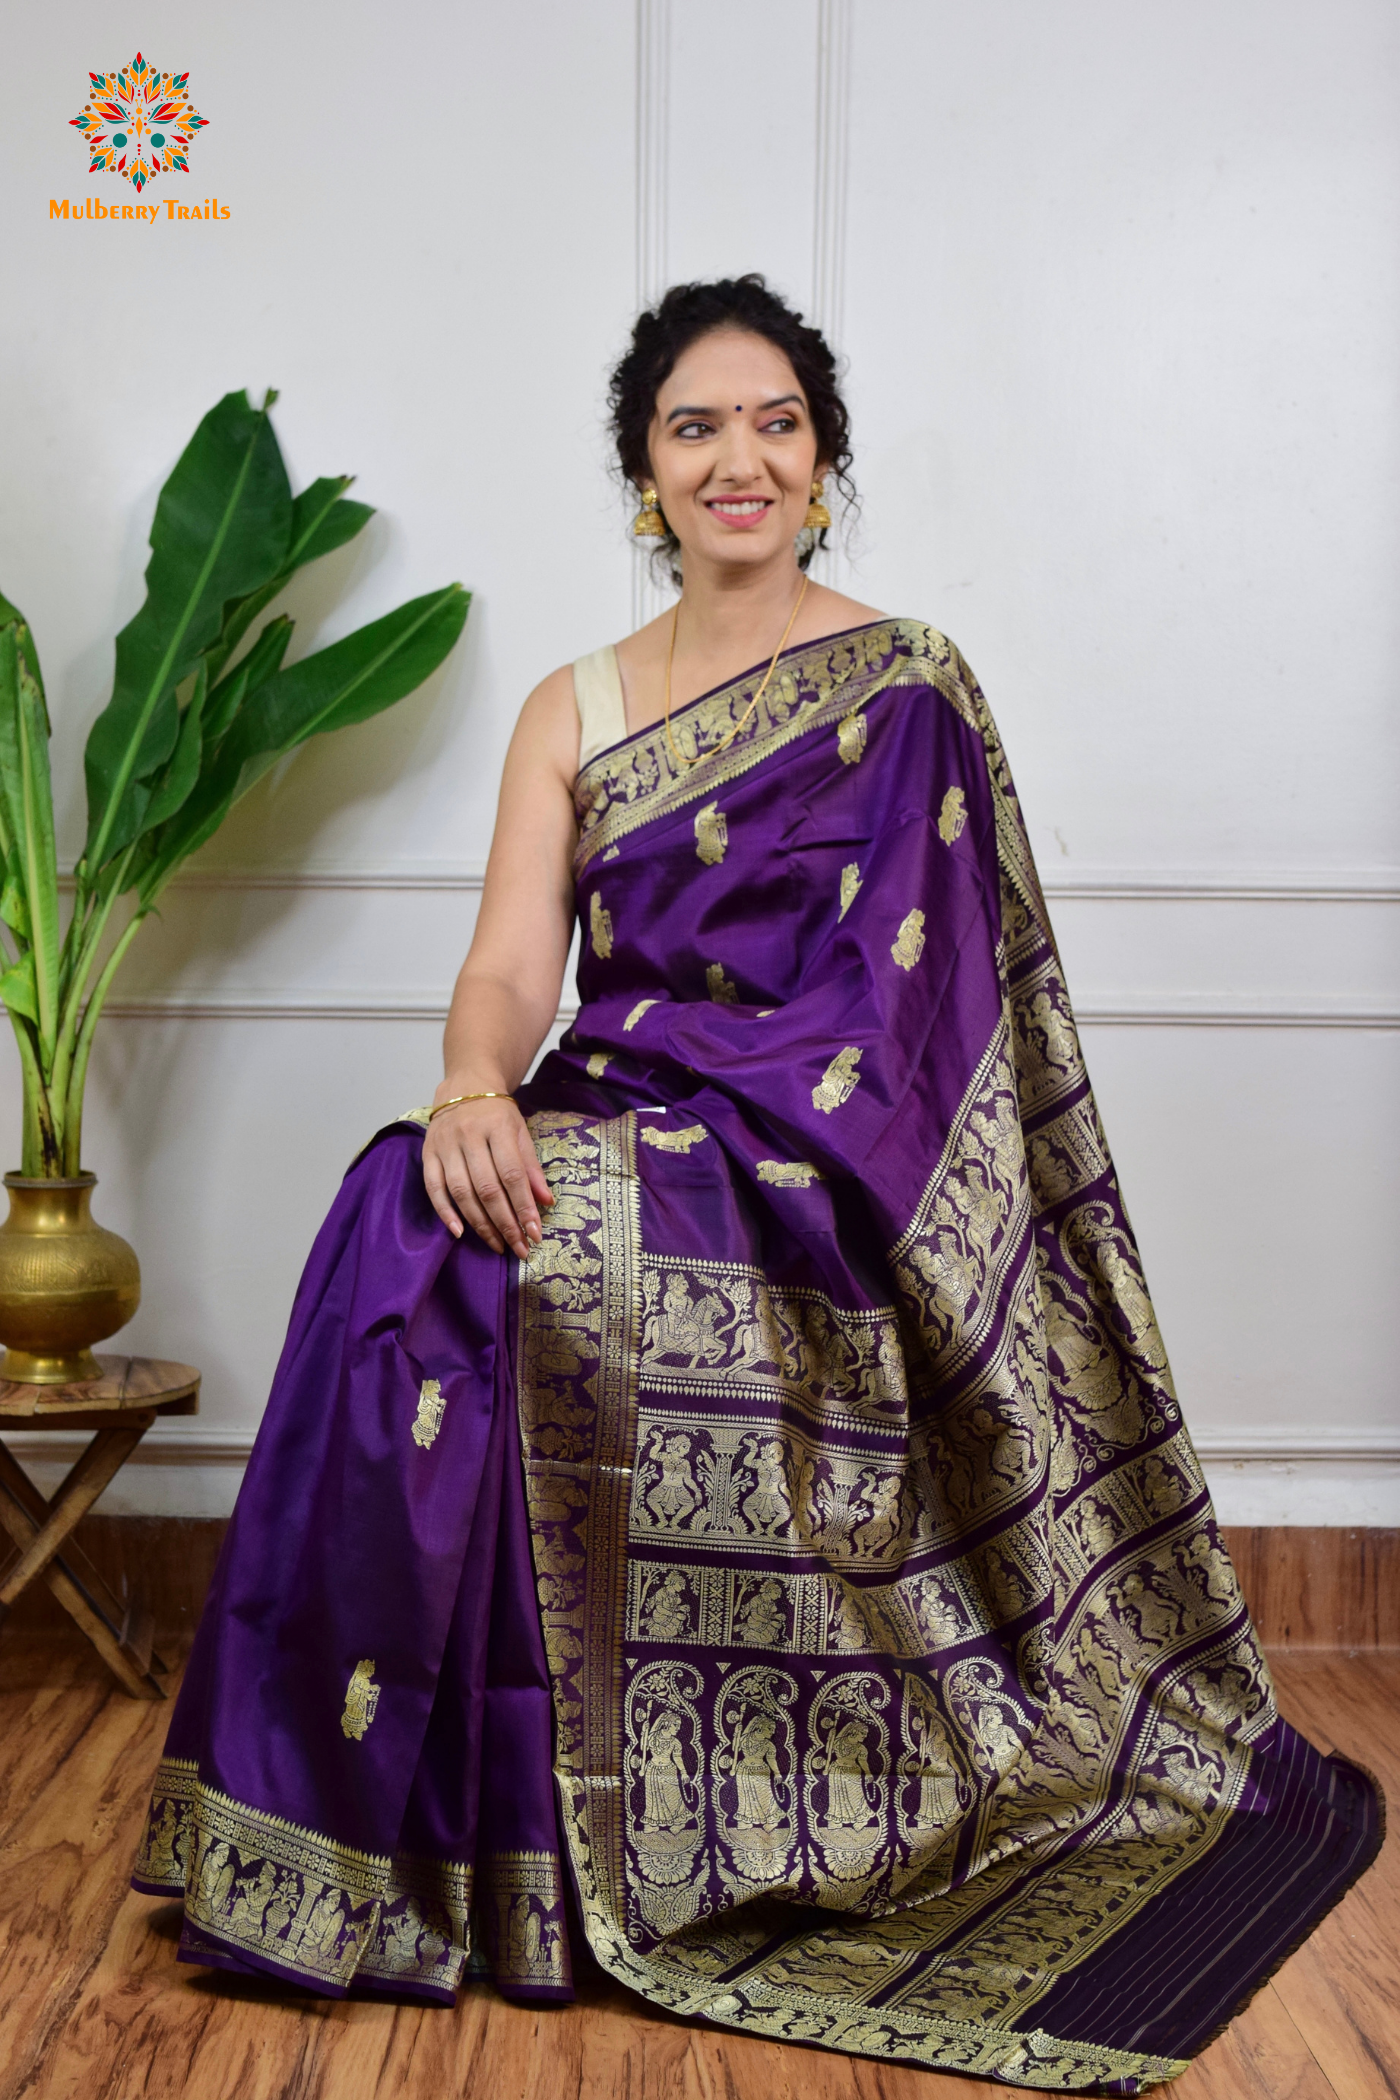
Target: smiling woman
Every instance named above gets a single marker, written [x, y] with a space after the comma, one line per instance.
[854, 1658]
[661, 359]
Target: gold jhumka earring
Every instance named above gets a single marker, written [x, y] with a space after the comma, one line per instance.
[649, 523]
[818, 516]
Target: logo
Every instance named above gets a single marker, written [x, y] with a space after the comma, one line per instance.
[138, 123]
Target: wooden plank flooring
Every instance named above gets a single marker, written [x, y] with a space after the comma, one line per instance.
[92, 2003]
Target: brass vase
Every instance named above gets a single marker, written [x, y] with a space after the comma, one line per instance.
[65, 1282]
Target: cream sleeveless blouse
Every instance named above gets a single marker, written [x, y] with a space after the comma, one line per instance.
[598, 692]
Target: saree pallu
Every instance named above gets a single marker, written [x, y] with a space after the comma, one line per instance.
[796, 1578]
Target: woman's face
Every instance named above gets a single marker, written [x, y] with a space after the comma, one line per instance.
[732, 449]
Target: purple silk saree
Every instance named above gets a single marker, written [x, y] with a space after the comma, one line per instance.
[853, 1658]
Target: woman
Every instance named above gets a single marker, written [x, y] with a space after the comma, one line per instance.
[801, 1276]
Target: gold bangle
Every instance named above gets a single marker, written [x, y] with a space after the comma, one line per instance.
[458, 1099]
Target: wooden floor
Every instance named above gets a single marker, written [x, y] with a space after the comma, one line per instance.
[92, 2003]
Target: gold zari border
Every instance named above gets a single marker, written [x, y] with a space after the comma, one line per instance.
[816, 687]
[521, 1919]
[257, 1884]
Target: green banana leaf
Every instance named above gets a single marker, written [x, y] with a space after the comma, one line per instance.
[13, 909]
[349, 681]
[222, 530]
[248, 674]
[26, 798]
[11, 616]
[18, 989]
[179, 776]
[322, 520]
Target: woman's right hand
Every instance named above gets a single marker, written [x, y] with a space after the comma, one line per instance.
[479, 1163]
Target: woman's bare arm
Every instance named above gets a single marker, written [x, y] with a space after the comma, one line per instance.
[478, 1160]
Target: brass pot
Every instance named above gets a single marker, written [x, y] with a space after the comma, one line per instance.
[65, 1282]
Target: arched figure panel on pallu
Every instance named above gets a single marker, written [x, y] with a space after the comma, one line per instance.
[798, 1571]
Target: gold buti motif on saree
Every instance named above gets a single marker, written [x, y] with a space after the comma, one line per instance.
[722, 989]
[851, 733]
[953, 816]
[642, 1006]
[850, 883]
[598, 1062]
[711, 834]
[600, 926]
[428, 1420]
[838, 1082]
[909, 941]
[361, 1701]
[674, 1140]
[788, 1173]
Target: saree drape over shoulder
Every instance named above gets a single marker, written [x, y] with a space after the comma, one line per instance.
[796, 1579]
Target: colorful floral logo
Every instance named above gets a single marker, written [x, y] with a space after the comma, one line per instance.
[138, 122]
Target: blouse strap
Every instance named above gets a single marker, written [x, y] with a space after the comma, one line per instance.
[601, 713]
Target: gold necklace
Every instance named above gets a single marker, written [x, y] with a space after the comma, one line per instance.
[679, 756]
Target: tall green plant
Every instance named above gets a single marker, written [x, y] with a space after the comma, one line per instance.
[186, 732]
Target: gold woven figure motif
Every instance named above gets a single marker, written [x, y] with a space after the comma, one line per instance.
[431, 1409]
[600, 925]
[909, 941]
[361, 1701]
[952, 818]
[722, 989]
[598, 1064]
[711, 834]
[789, 1173]
[851, 733]
[636, 1014]
[838, 1082]
[850, 883]
[674, 1140]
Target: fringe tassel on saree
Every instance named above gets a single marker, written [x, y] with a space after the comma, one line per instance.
[854, 1649]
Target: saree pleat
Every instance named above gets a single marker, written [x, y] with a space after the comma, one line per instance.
[363, 1648]
[798, 1570]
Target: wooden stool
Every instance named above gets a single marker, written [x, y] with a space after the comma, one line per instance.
[120, 1407]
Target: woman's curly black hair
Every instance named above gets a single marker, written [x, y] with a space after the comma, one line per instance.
[689, 311]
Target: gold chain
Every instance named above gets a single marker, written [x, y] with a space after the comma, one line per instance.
[679, 756]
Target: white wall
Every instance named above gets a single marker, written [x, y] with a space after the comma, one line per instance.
[1118, 284]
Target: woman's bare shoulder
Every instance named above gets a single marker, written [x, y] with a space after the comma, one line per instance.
[832, 612]
[552, 694]
[647, 645]
[547, 730]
